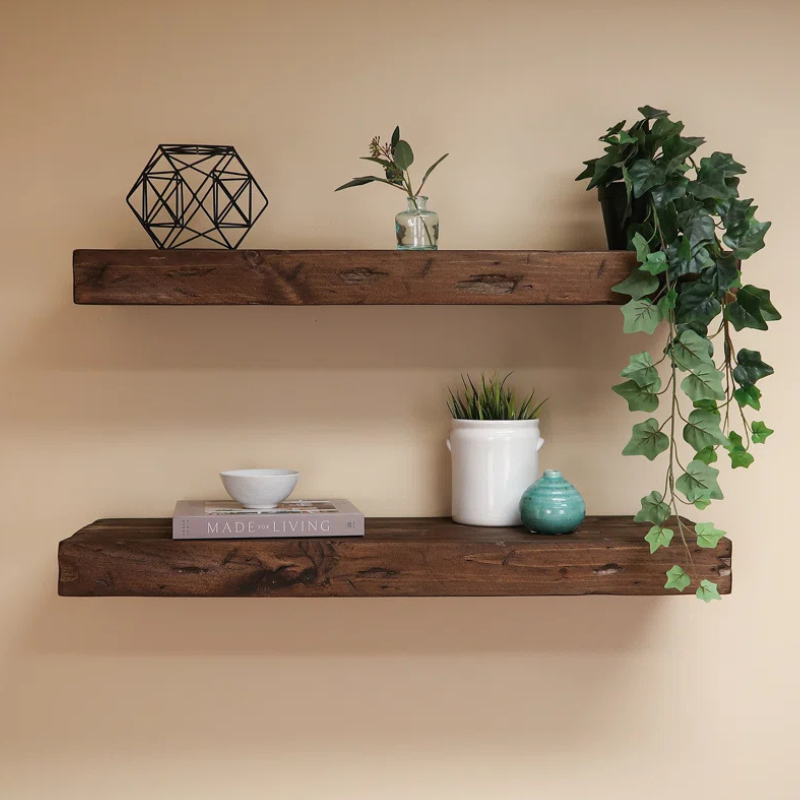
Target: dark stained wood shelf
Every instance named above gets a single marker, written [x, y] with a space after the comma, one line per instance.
[400, 557]
[348, 277]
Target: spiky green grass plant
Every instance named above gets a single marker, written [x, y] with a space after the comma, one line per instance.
[491, 400]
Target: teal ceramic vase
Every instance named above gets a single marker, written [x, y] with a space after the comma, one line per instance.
[552, 505]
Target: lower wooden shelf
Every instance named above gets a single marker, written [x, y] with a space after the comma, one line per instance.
[398, 557]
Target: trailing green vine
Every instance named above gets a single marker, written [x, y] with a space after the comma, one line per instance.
[690, 230]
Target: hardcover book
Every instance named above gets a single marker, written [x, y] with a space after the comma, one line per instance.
[201, 519]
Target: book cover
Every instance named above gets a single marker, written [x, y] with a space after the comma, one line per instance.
[221, 519]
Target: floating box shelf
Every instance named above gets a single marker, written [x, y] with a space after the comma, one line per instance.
[402, 557]
[348, 277]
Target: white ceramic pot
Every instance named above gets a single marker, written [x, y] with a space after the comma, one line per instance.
[494, 462]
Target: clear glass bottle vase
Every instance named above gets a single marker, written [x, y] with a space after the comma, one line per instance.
[417, 228]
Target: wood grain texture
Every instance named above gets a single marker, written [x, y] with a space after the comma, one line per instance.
[348, 277]
[402, 557]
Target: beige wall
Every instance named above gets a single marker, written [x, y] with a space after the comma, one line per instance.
[119, 411]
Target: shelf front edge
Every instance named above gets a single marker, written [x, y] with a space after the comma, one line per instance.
[348, 277]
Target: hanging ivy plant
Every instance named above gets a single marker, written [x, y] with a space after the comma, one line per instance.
[691, 231]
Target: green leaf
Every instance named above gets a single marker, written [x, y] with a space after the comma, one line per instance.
[433, 166]
[737, 451]
[760, 432]
[658, 537]
[707, 591]
[708, 455]
[654, 509]
[645, 175]
[667, 302]
[642, 370]
[403, 154]
[699, 482]
[744, 243]
[648, 112]
[677, 578]
[642, 248]
[626, 138]
[702, 431]
[647, 440]
[748, 396]
[677, 149]
[702, 503]
[641, 316]
[746, 311]
[360, 182]
[768, 311]
[707, 535]
[751, 368]
[690, 350]
[637, 285]
[655, 263]
[395, 137]
[697, 303]
[640, 398]
[704, 382]
[382, 161]
[665, 128]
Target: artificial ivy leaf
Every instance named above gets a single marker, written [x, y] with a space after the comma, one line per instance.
[641, 316]
[647, 440]
[702, 431]
[707, 591]
[724, 163]
[707, 535]
[665, 128]
[746, 311]
[737, 451]
[748, 396]
[667, 302]
[642, 248]
[697, 227]
[768, 311]
[760, 432]
[748, 241]
[675, 186]
[722, 276]
[707, 405]
[741, 458]
[708, 455]
[677, 578]
[702, 503]
[704, 382]
[642, 370]
[697, 303]
[640, 398]
[654, 509]
[699, 482]
[655, 263]
[626, 138]
[645, 174]
[637, 285]
[403, 154]
[687, 259]
[690, 350]
[648, 112]
[658, 537]
[677, 149]
[751, 368]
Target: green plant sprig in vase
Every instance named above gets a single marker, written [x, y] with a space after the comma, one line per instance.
[396, 157]
[690, 230]
[491, 400]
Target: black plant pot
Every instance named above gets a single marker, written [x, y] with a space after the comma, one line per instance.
[614, 202]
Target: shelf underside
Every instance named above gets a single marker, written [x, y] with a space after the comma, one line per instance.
[398, 557]
[348, 277]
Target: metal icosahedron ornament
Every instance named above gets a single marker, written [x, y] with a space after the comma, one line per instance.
[189, 192]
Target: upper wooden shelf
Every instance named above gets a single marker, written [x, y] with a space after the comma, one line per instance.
[348, 277]
[402, 557]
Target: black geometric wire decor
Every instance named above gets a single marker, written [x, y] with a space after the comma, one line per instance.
[189, 192]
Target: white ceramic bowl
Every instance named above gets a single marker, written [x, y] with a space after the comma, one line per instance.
[259, 488]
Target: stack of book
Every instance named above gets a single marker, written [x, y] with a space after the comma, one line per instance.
[201, 519]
